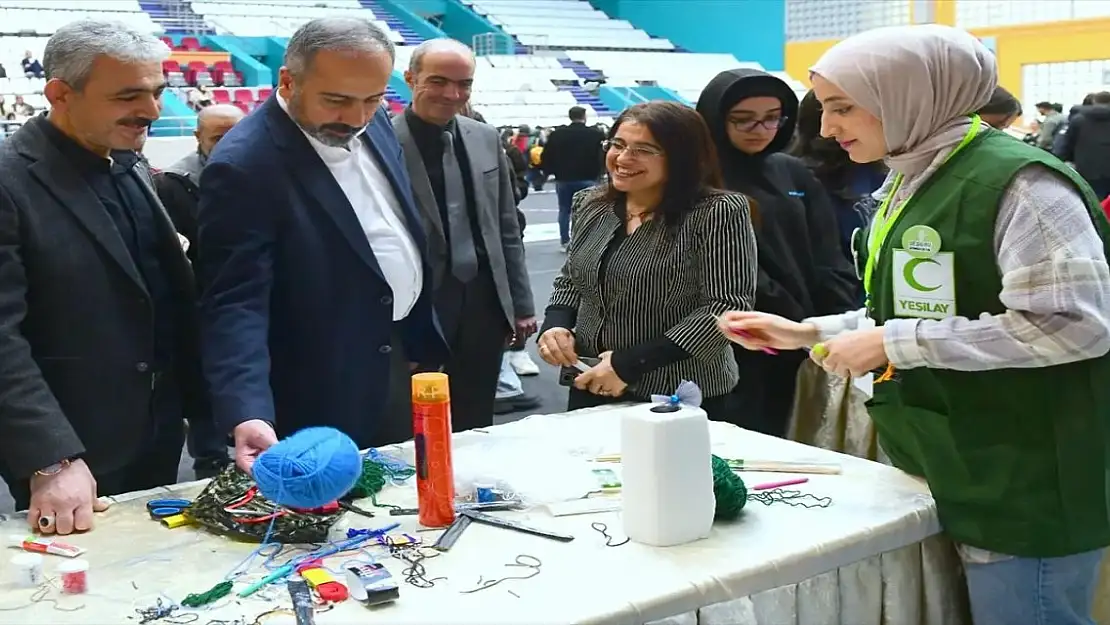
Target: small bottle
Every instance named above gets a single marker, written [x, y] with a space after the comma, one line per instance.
[666, 475]
[431, 428]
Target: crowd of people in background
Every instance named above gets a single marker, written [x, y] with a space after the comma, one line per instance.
[338, 250]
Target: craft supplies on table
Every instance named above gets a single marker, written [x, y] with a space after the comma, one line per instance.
[485, 493]
[762, 466]
[134, 560]
[38, 544]
[308, 470]
[586, 505]
[372, 584]
[431, 428]
[489, 519]
[777, 466]
[780, 484]
[301, 596]
[455, 531]
[161, 508]
[321, 580]
[171, 513]
[27, 570]
[666, 476]
[75, 576]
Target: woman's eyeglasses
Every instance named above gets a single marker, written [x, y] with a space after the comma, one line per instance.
[751, 125]
[638, 152]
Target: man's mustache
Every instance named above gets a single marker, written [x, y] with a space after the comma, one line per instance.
[340, 129]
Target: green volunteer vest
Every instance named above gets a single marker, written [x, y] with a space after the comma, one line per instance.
[1017, 459]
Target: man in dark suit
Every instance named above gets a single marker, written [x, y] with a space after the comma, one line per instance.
[464, 188]
[98, 341]
[310, 252]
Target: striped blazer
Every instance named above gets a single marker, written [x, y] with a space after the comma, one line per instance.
[661, 281]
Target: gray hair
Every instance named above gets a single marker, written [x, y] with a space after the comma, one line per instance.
[441, 44]
[334, 33]
[72, 49]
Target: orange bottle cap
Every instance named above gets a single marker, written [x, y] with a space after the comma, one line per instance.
[430, 387]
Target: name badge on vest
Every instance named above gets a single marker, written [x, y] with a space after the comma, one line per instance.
[924, 276]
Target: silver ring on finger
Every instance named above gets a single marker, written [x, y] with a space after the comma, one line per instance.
[46, 521]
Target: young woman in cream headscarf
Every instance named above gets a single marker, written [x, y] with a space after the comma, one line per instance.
[988, 301]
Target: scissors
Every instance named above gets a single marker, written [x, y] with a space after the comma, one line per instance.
[164, 508]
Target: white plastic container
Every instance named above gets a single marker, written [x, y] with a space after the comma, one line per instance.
[666, 475]
[27, 570]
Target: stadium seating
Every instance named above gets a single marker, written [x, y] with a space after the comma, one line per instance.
[564, 24]
[685, 73]
[510, 90]
[574, 49]
[43, 17]
[270, 18]
[246, 98]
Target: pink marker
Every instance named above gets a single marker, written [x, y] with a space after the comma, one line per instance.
[748, 335]
[770, 485]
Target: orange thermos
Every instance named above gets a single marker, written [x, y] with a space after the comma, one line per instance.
[431, 428]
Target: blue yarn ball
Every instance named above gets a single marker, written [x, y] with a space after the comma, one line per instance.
[310, 469]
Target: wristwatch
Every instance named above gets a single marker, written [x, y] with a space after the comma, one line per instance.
[55, 468]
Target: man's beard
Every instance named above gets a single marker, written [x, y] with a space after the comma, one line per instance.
[334, 135]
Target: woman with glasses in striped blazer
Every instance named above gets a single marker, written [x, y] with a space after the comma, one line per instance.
[655, 255]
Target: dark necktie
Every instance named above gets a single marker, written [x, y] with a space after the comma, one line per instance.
[464, 257]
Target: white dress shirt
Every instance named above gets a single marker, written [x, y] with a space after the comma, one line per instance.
[379, 213]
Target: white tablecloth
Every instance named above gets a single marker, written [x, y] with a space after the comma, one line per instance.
[873, 557]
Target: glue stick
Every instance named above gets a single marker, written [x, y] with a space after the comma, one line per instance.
[431, 428]
[36, 544]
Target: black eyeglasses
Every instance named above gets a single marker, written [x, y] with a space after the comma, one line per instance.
[750, 125]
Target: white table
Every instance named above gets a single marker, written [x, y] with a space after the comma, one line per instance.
[873, 557]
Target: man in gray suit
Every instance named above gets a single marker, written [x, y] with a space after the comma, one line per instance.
[463, 186]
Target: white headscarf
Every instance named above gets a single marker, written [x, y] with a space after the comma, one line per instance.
[922, 82]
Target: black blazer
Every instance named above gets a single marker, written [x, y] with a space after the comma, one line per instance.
[296, 315]
[662, 286]
[76, 321]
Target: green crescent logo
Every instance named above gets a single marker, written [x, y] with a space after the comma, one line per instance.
[908, 274]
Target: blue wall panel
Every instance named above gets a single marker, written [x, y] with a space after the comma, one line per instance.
[240, 48]
[424, 8]
[177, 119]
[412, 15]
[658, 93]
[752, 30]
[614, 98]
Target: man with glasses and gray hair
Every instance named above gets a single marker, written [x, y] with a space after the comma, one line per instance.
[310, 253]
[464, 191]
[98, 341]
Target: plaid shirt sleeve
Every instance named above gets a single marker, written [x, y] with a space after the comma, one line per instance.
[1055, 287]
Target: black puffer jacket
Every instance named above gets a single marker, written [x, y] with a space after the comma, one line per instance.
[1087, 142]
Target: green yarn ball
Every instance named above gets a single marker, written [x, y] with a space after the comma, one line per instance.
[728, 490]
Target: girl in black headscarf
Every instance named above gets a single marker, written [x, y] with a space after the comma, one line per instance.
[802, 270]
[849, 184]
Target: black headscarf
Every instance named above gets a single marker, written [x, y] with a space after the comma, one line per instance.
[741, 171]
